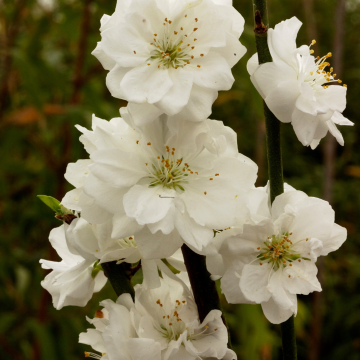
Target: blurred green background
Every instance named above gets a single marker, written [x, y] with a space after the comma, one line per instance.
[50, 82]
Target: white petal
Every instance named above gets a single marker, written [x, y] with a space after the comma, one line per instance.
[147, 204]
[141, 349]
[178, 96]
[195, 235]
[252, 64]
[269, 75]
[146, 84]
[274, 313]
[230, 284]
[214, 72]
[199, 105]
[254, 281]
[124, 226]
[150, 273]
[113, 80]
[117, 167]
[304, 126]
[158, 245]
[339, 119]
[93, 338]
[107, 62]
[282, 40]
[302, 278]
[336, 239]
[281, 101]
[142, 114]
[335, 132]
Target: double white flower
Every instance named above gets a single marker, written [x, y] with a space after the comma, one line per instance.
[270, 262]
[83, 247]
[170, 56]
[295, 86]
[162, 324]
[73, 280]
[167, 183]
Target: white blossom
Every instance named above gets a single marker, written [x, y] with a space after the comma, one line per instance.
[162, 324]
[295, 86]
[171, 56]
[270, 262]
[167, 182]
[73, 280]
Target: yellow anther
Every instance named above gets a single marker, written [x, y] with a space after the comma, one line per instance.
[312, 51]
[198, 66]
[344, 85]
[149, 143]
[339, 81]
[205, 192]
[175, 32]
[313, 42]
[195, 29]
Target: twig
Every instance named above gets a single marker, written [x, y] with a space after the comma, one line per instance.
[273, 140]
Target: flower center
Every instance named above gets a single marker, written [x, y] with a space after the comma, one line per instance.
[318, 75]
[170, 325]
[169, 171]
[175, 47]
[279, 251]
[127, 242]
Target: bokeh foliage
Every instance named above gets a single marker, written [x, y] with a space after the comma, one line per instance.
[50, 82]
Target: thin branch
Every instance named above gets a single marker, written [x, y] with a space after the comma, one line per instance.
[10, 36]
[273, 140]
[204, 289]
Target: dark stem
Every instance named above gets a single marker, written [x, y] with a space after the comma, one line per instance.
[273, 141]
[204, 289]
[118, 277]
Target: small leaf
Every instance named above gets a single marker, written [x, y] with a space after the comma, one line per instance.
[52, 203]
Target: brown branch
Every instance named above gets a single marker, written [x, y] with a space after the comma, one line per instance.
[81, 53]
[10, 37]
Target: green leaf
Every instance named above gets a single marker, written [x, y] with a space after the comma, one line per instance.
[52, 203]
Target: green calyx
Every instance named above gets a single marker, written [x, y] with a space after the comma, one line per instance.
[96, 268]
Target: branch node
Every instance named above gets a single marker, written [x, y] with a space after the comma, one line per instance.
[260, 28]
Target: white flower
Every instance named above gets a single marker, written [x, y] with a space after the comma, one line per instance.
[95, 241]
[271, 262]
[162, 324]
[295, 86]
[73, 280]
[168, 182]
[170, 55]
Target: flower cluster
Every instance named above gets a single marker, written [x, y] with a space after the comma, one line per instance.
[161, 324]
[163, 176]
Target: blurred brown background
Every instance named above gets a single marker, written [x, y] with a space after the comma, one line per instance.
[50, 82]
